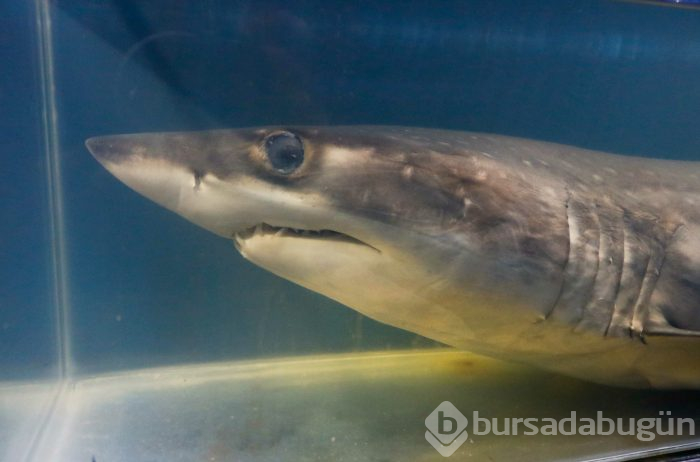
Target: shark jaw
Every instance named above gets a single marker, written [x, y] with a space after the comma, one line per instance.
[265, 231]
[372, 280]
[315, 259]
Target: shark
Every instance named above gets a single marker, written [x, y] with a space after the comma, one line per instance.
[578, 262]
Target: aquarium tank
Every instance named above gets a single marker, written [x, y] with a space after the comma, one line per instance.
[129, 334]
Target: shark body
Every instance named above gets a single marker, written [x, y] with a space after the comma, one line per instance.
[575, 261]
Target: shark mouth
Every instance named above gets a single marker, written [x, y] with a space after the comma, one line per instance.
[265, 230]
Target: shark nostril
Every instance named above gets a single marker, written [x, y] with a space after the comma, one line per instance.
[198, 174]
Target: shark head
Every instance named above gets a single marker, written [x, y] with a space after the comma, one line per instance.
[417, 229]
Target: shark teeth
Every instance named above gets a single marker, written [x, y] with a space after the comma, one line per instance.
[263, 229]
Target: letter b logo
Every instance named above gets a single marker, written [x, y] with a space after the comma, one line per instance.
[442, 419]
[446, 428]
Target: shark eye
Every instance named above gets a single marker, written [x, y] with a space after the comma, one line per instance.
[285, 151]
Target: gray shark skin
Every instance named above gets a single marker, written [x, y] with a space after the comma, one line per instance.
[575, 261]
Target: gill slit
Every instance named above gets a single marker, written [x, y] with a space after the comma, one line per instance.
[569, 250]
[624, 256]
[589, 305]
[652, 274]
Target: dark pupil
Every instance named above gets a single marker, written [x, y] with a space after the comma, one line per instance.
[285, 152]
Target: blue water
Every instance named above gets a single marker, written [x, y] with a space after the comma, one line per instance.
[146, 288]
[27, 334]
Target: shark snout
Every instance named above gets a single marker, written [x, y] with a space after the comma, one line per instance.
[106, 148]
[135, 160]
[120, 149]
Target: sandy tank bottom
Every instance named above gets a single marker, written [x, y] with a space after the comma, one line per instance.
[354, 407]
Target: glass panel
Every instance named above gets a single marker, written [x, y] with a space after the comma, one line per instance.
[29, 344]
[27, 328]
